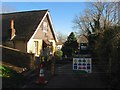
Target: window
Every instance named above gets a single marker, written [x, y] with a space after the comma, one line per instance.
[58, 47]
[83, 46]
[36, 47]
[45, 27]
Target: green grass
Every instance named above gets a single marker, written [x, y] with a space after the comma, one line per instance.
[79, 71]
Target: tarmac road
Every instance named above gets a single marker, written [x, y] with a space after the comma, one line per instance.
[66, 78]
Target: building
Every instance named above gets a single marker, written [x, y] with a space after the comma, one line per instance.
[29, 31]
[59, 45]
[82, 39]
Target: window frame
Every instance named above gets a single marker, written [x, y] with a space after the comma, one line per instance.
[36, 47]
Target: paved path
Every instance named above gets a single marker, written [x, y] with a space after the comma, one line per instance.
[66, 78]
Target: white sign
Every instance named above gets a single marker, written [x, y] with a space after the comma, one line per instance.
[84, 64]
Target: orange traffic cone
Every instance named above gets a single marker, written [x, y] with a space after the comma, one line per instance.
[41, 79]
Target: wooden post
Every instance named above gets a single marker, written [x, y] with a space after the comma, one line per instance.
[52, 69]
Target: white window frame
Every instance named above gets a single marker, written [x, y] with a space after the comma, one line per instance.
[36, 47]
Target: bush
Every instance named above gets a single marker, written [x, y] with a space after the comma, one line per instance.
[109, 52]
[58, 54]
[10, 78]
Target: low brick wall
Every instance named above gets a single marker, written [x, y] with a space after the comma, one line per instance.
[17, 58]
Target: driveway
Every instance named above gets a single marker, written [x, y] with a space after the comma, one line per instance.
[66, 78]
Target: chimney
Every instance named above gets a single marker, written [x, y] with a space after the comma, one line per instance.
[12, 29]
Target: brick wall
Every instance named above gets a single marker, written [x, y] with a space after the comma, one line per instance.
[17, 58]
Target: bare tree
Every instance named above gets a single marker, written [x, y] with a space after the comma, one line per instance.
[61, 37]
[98, 17]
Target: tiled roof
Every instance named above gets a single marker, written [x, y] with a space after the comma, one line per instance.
[25, 23]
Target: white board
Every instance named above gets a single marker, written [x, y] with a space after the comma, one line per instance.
[84, 64]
